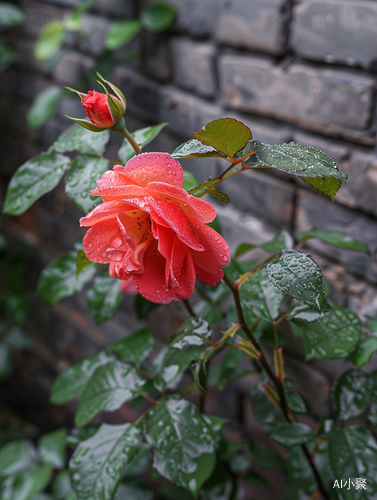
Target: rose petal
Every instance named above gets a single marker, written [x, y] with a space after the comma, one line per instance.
[105, 210]
[98, 239]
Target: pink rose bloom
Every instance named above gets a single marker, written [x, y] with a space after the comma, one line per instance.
[152, 232]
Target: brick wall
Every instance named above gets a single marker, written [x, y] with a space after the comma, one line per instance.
[291, 70]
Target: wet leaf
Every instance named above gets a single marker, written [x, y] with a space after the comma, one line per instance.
[226, 135]
[292, 434]
[260, 298]
[110, 386]
[295, 402]
[332, 336]
[98, 463]
[195, 149]
[33, 179]
[135, 348]
[280, 242]
[171, 362]
[77, 138]
[49, 41]
[218, 195]
[337, 239]
[29, 484]
[143, 137]
[82, 262]
[157, 17]
[297, 275]
[104, 297]
[44, 105]
[71, 383]
[313, 166]
[58, 279]
[192, 333]
[364, 351]
[229, 370]
[16, 457]
[51, 448]
[265, 411]
[132, 491]
[353, 454]
[61, 486]
[120, 32]
[351, 394]
[183, 445]
[82, 177]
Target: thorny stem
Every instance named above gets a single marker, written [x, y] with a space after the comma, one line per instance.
[275, 380]
[131, 140]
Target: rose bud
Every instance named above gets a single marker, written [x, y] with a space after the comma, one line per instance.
[103, 110]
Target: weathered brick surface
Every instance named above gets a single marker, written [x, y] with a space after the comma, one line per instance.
[336, 31]
[197, 17]
[335, 102]
[71, 68]
[194, 66]
[252, 24]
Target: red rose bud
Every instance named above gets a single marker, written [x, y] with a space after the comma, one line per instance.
[98, 110]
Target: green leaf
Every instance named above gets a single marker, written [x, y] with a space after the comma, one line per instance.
[364, 351]
[61, 486]
[17, 339]
[243, 248]
[228, 371]
[108, 389]
[82, 177]
[218, 195]
[351, 394]
[353, 454]
[135, 348]
[49, 41]
[132, 491]
[73, 380]
[297, 275]
[77, 138]
[104, 297]
[292, 434]
[332, 336]
[265, 411]
[340, 240]
[34, 178]
[295, 402]
[143, 307]
[52, 448]
[82, 262]
[7, 56]
[10, 15]
[17, 457]
[212, 313]
[280, 242]
[190, 181]
[226, 135]
[171, 362]
[98, 463]
[26, 486]
[264, 457]
[183, 445]
[77, 436]
[195, 149]
[372, 417]
[143, 137]
[157, 17]
[310, 164]
[44, 105]
[192, 333]
[120, 32]
[260, 298]
[58, 279]
[303, 312]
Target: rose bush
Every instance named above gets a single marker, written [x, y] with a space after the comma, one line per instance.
[152, 232]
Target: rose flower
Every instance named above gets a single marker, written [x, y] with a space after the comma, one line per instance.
[98, 111]
[152, 232]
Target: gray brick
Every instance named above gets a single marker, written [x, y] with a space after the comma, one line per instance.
[157, 58]
[315, 210]
[197, 17]
[29, 84]
[336, 31]
[334, 102]
[72, 68]
[194, 66]
[38, 14]
[142, 94]
[119, 8]
[252, 24]
[95, 27]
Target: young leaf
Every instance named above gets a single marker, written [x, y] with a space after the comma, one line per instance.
[44, 106]
[297, 275]
[143, 137]
[195, 149]
[10, 15]
[108, 389]
[190, 181]
[82, 177]
[243, 248]
[218, 195]
[183, 445]
[120, 32]
[136, 348]
[77, 138]
[364, 351]
[280, 242]
[72, 381]
[310, 164]
[192, 333]
[98, 463]
[340, 240]
[260, 298]
[172, 363]
[351, 394]
[292, 434]
[82, 262]
[104, 297]
[353, 454]
[58, 279]
[332, 336]
[52, 448]
[17, 457]
[295, 402]
[36, 177]
[50, 40]
[226, 135]
[157, 17]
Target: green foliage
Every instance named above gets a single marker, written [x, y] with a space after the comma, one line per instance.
[44, 106]
[363, 352]
[52, 448]
[7, 56]
[120, 32]
[49, 41]
[104, 297]
[195, 149]
[171, 362]
[190, 180]
[279, 243]
[157, 17]
[136, 348]
[10, 15]
[292, 434]
[194, 332]
[337, 239]
[77, 138]
[351, 394]
[143, 137]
